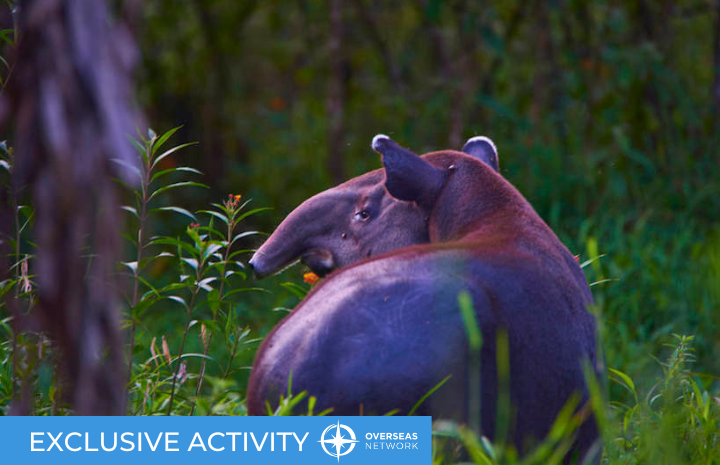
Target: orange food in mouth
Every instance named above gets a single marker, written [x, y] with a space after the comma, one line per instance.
[311, 278]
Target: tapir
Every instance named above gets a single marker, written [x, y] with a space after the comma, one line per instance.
[396, 247]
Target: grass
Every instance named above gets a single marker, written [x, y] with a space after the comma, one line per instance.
[194, 319]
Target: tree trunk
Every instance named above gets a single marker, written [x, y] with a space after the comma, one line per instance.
[69, 96]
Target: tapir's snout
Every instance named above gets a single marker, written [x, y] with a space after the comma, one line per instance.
[256, 265]
[304, 235]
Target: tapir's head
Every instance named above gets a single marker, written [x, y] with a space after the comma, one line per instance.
[374, 213]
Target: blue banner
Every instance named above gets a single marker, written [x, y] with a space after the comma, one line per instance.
[247, 440]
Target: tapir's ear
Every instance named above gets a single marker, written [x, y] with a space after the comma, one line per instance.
[484, 150]
[407, 176]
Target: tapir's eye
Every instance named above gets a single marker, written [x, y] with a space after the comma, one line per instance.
[362, 215]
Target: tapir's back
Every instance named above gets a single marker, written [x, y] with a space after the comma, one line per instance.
[392, 325]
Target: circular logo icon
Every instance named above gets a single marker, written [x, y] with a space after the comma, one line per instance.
[339, 443]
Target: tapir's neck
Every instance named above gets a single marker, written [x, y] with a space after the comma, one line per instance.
[476, 202]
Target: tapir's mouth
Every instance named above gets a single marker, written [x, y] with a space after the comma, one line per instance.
[320, 261]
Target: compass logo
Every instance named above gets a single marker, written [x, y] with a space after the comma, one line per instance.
[342, 445]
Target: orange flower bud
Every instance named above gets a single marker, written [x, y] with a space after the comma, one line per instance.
[311, 278]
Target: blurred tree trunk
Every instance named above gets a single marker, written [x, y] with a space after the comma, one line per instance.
[337, 93]
[70, 97]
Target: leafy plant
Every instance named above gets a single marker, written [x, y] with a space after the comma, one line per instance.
[147, 176]
[207, 270]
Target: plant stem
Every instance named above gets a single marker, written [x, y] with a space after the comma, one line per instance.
[136, 287]
[232, 357]
[191, 308]
[231, 227]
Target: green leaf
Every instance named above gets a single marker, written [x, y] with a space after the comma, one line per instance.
[428, 394]
[230, 273]
[150, 286]
[238, 252]
[244, 234]
[170, 152]
[213, 299]
[299, 291]
[191, 261]
[207, 357]
[245, 289]
[603, 281]
[175, 286]
[132, 265]
[140, 135]
[127, 236]
[182, 211]
[175, 185]
[164, 240]
[178, 299]
[470, 321]
[221, 208]
[625, 378]
[143, 305]
[199, 243]
[627, 417]
[138, 146]
[7, 35]
[592, 251]
[128, 166]
[212, 231]
[212, 248]
[282, 309]
[131, 210]
[162, 173]
[215, 214]
[591, 260]
[244, 204]
[251, 212]
[205, 283]
[163, 138]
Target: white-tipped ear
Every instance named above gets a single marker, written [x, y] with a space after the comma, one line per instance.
[376, 140]
[407, 176]
[483, 149]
